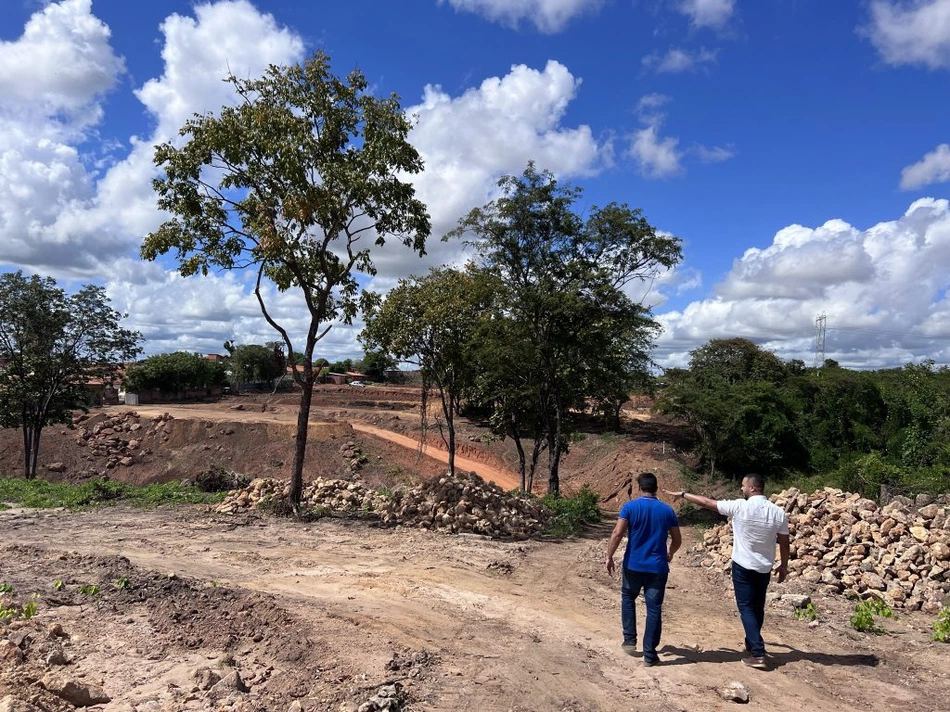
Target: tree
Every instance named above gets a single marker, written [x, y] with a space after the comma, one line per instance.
[736, 360]
[252, 363]
[292, 182]
[51, 345]
[563, 283]
[375, 364]
[430, 321]
[175, 373]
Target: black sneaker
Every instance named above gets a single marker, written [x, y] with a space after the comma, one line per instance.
[651, 663]
[755, 662]
[629, 648]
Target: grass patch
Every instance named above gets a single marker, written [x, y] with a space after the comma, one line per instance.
[40, 494]
[569, 515]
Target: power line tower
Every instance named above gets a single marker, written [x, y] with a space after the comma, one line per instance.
[821, 322]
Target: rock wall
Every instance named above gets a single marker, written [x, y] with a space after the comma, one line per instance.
[842, 543]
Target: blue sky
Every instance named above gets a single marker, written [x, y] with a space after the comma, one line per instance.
[798, 147]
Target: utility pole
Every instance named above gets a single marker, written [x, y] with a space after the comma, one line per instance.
[820, 327]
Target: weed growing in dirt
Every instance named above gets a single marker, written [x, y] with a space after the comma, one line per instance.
[6, 588]
[89, 589]
[122, 583]
[10, 609]
[569, 515]
[59, 585]
[29, 608]
[807, 613]
[41, 494]
[862, 620]
[942, 626]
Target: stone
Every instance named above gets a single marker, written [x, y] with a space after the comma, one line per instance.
[920, 533]
[228, 685]
[796, 600]
[940, 552]
[56, 467]
[126, 462]
[9, 652]
[13, 704]
[76, 693]
[734, 692]
[205, 678]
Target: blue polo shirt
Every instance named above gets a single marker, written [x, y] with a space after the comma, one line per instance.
[648, 525]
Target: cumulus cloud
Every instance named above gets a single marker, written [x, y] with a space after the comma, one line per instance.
[469, 141]
[708, 13]
[56, 215]
[656, 156]
[932, 168]
[884, 290]
[716, 154]
[677, 60]
[915, 32]
[548, 16]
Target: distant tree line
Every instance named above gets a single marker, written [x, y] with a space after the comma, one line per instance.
[859, 430]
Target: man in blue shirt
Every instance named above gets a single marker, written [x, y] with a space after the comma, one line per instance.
[648, 523]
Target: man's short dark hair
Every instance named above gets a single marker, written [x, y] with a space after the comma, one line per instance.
[647, 482]
[757, 481]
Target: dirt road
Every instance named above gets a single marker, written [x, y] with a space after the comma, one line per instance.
[500, 625]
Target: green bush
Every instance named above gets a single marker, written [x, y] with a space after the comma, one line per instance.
[942, 626]
[569, 515]
[862, 620]
[807, 613]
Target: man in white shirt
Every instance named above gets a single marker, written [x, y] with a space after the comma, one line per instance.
[757, 525]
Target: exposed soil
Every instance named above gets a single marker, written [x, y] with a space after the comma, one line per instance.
[323, 615]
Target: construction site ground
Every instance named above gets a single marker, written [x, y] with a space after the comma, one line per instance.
[321, 615]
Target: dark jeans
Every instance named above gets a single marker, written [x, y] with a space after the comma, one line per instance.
[654, 589]
[750, 589]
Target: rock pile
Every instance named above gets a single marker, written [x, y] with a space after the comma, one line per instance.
[117, 438]
[466, 503]
[334, 495]
[845, 544]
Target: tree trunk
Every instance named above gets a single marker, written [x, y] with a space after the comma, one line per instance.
[300, 441]
[554, 453]
[37, 429]
[516, 436]
[535, 454]
[27, 449]
[449, 410]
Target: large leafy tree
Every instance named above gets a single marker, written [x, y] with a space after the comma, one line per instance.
[175, 372]
[564, 279]
[431, 321]
[251, 363]
[296, 182]
[51, 346]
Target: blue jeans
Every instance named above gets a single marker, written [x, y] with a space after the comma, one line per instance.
[750, 589]
[654, 589]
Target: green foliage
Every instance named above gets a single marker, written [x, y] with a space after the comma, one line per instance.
[297, 181]
[863, 618]
[807, 613]
[29, 609]
[250, 363]
[59, 585]
[175, 372]
[6, 588]
[122, 583]
[42, 494]
[561, 328]
[89, 589]
[941, 626]
[51, 346]
[570, 515]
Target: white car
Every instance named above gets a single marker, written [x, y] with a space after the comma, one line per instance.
[358, 384]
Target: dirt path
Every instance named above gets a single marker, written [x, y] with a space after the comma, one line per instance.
[509, 625]
[504, 479]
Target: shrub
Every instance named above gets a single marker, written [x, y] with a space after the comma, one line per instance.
[942, 626]
[862, 620]
[569, 515]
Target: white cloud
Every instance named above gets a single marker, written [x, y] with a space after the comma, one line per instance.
[55, 216]
[677, 60]
[932, 168]
[548, 16]
[469, 141]
[656, 156]
[708, 13]
[884, 290]
[915, 32]
[716, 154]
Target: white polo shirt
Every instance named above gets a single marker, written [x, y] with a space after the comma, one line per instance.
[756, 523]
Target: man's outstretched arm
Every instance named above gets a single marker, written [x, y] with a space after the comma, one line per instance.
[694, 499]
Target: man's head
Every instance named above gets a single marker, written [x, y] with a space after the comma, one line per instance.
[646, 481]
[752, 484]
